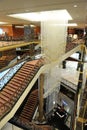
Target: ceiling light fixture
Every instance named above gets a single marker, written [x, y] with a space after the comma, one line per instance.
[32, 25]
[68, 24]
[3, 22]
[43, 16]
[75, 6]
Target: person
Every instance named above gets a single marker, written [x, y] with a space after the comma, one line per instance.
[6, 36]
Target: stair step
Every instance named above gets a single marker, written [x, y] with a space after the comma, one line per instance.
[20, 81]
[25, 117]
[6, 103]
[17, 81]
[19, 75]
[27, 112]
[25, 71]
[8, 91]
[12, 89]
[15, 86]
[27, 68]
[28, 108]
[32, 100]
[4, 97]
[31, 69]
[28, 104]
[22, 74]
[1, 104]
[29, 65]
[14, 83]
[30, 76]
[6, 94]
[28, 115]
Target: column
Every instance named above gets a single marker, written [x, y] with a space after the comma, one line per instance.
[41, 101]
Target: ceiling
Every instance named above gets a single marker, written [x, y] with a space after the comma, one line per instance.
[79, 13]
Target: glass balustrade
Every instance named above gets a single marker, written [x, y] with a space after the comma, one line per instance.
[7, 75]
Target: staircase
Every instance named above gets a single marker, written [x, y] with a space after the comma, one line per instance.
[24, 115]
[10, 94]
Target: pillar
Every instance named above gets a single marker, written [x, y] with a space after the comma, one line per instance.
[53, 45]
[41, 101]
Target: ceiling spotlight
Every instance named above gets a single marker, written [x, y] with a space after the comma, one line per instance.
[75, 6]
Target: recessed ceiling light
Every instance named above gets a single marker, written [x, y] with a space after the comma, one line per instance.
[27, 10]
[44, 16]
[32, 25]
[75, 6]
